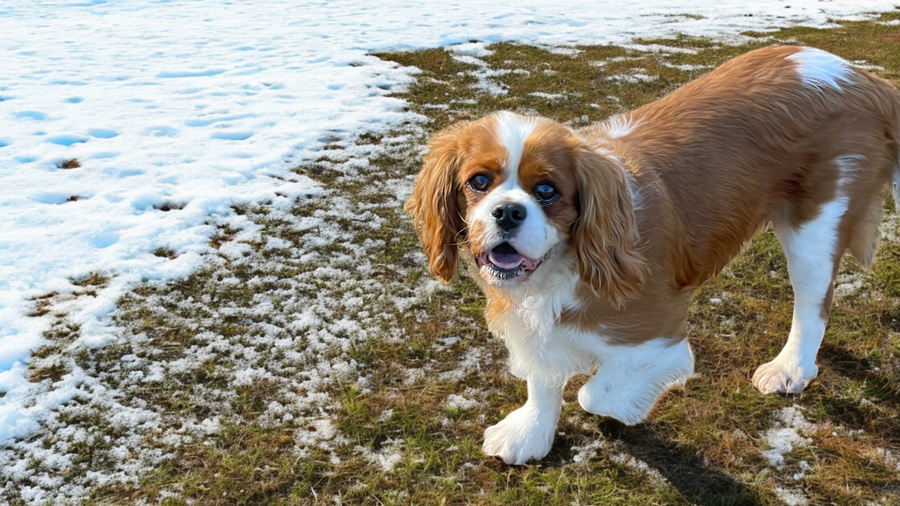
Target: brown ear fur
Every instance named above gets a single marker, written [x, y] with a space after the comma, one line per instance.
[605, 234]
[434, 203]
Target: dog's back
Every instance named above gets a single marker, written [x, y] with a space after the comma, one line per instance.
[771, 135]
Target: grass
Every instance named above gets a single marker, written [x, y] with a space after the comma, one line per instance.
[69, 163]
[303, 365]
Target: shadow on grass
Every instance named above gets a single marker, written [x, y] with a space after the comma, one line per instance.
[891, 319]
[878, 388]
[683, 468]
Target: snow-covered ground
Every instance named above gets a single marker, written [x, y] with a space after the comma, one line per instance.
[177, 109]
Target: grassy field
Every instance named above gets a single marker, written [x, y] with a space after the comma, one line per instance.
[304, 365]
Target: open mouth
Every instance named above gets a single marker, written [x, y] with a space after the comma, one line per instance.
[504, 262]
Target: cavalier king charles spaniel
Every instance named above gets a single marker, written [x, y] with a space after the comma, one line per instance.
[589, 243]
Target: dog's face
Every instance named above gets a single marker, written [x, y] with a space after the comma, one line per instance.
[518, 192]
[518, 195]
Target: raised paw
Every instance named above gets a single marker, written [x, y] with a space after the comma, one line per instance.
[776, 377]
[524, 434]
[630, 407]
[629, 385]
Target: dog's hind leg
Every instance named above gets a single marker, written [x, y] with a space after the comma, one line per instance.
[813, 251]
[864, 234]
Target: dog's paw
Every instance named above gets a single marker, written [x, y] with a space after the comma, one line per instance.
[776, 377]
[524, 434]
[629, 407]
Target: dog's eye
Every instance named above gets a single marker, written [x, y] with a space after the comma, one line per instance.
[546, 193]
[479, 183]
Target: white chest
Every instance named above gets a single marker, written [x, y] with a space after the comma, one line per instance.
[537, 344]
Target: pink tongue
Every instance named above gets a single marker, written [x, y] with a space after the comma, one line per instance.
[505, 260]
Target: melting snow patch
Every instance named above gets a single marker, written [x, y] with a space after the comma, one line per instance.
[456, 401]
[584, 454]
[804, 469]
[470, 362]
[659, 48]
[474, 49]
[848, 284]
[641, 467]
[387, 458]
[471, 54]
[889, 458]
[548, 96]
[686, 67]
[785, 436]
[791, 497]
[638, 77]
[589, 451]
[562, 50]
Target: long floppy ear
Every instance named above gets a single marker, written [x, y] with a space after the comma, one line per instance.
[605, 234]
[434, 204]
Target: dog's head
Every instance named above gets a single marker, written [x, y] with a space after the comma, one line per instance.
[518, 192]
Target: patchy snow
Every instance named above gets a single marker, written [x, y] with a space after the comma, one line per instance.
[297, 326]
[639, 466]
[584, 454]
[616, 454]
[804, 470]
[462, 403]
[786, 435]
[177, 109]
[390, 454]
[548, 96]
[791, 497]
[472, 54]
[637, 77]
[891, 459]
[472, 361]
[686, 67]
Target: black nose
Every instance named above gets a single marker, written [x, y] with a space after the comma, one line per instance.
[509, 215]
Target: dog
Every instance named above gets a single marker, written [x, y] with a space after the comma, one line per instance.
[589, 243]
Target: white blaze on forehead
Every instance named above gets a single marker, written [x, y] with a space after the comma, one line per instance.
[512, 132]
[821, 69]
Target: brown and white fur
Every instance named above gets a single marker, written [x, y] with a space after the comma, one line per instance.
[588, 244]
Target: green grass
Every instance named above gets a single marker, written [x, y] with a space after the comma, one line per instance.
[393, 438]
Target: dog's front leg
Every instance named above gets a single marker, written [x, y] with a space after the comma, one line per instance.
[527, 433]
[630, 379]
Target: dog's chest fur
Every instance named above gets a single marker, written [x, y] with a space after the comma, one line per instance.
[527, 319]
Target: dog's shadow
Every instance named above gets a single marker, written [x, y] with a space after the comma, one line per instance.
[681, 467]
[879, 387]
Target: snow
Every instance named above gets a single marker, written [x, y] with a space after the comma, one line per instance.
[639, 466]
[632, 78]
[387, 458]
[782, 440]
[176, 110]
[460, 402]
[791, 497]
[786, 435]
